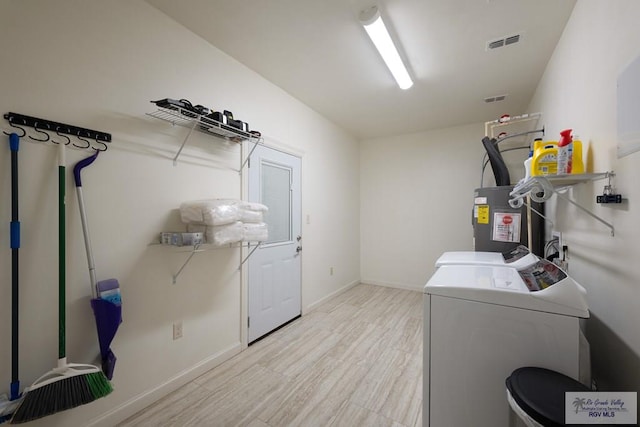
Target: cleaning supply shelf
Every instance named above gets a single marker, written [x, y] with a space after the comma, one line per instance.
[193, 121]
[541, 188]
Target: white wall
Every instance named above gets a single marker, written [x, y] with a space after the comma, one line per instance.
[98, 64]
[416, 195]
[578, 91]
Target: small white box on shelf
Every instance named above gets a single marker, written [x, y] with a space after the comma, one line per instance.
[181, 239]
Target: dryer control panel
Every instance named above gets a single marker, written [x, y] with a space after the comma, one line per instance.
[541, 275]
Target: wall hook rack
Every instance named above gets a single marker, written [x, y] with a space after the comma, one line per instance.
[44, 125]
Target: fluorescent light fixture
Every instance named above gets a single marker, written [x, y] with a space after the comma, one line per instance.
[373, 24]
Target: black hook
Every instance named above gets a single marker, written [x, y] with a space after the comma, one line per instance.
[24, 132]
[85, 140]
[102, 143]
[64, 136]
[35, 126]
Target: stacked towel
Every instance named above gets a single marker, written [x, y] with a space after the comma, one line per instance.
[255, 232]
[221, 212]
[219, 235]
[226, 221]
[252, 212]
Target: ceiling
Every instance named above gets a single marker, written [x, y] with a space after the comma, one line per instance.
[319, 53]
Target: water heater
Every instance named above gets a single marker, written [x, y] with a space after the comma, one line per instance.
[497, 227]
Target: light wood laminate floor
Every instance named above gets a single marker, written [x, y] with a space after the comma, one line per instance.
[356, 360]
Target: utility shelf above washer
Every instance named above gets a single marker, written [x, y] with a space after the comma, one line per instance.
[193, 121]
[559, 181]
[552, 182]
[542, 187]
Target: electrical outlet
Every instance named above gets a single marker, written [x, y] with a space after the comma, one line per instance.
[177, 330]
[558, 235]
[563, 251]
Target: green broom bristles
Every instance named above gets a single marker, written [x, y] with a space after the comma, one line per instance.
[60, 395]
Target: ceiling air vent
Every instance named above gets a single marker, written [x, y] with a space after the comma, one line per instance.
[495, 44]
[512, 39]
[496, 98]
[504, 41]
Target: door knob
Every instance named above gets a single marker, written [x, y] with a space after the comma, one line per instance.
[299, 249]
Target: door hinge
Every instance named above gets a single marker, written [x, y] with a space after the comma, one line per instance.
[248, 322]
[249, 162]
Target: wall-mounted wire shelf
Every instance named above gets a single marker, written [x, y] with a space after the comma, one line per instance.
[541, 188]
[193, 121]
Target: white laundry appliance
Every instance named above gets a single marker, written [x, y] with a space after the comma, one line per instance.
[519, 258]
[483, 322]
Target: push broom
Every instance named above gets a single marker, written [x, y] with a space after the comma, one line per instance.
[69, 384]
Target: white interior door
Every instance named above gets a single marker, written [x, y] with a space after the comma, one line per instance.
[274, 279]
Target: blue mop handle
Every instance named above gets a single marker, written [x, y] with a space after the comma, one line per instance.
[14, 145]
[77, 169]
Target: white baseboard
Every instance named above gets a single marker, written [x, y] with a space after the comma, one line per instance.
[393, 285]
[141, 401]
[345, 288]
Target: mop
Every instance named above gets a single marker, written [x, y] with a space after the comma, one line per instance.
[105, 302]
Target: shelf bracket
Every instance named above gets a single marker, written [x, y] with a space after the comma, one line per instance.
[585, 210]
[247, 257]
[193, 252]
[175, 159]
[197, 249]
[534, 210]
[548, 185]
[255, 145]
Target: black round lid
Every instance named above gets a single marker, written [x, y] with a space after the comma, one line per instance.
[540, 393]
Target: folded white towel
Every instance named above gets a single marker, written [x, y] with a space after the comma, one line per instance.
[247, 215]
[221, 211]
[219, 235]
[191, 212]
[252, 212]
[253, 206]
[255, 232]
[224, 234]
[210, 212]
[221, 214]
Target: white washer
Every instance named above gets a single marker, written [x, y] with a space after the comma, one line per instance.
[483, 322]
[520, 258]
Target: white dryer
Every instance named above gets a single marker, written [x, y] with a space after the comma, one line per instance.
[483, 322]
[519, 258]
